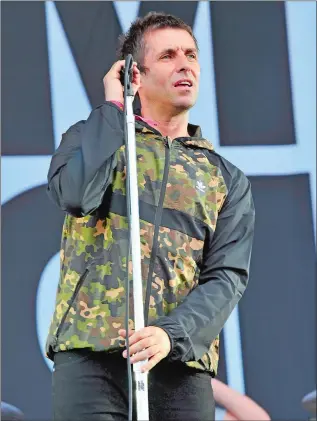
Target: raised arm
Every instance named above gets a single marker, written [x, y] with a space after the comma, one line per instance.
[82, 166]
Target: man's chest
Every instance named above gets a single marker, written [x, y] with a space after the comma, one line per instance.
[174, 177]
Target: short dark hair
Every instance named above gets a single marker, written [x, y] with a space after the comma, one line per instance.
[133, 41]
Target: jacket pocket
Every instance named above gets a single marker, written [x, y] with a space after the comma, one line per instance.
[71, 302]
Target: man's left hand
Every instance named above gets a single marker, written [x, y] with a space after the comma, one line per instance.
[150, 343]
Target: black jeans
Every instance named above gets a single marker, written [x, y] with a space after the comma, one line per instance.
[93, 386]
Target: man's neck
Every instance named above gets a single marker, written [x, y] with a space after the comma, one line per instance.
[169, 125]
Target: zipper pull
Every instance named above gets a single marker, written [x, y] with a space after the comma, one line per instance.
[169, 141]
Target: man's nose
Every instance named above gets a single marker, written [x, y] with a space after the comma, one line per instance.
[184, 69]
[183, 65]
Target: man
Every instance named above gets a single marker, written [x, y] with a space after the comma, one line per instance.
[196, 227]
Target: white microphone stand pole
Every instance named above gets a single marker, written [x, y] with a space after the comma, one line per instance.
[141, 379]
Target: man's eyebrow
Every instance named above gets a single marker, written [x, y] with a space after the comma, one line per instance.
[173, 50]
[167, 51]
[192, 50]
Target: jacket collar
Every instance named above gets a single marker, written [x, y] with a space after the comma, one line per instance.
[195, 140]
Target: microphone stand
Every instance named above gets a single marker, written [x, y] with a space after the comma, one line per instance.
[141, 379]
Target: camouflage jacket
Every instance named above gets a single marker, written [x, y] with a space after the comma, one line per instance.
[196, 228]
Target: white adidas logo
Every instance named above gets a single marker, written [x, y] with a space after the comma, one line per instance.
[200, 186]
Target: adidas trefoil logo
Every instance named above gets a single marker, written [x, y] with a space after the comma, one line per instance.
[200, 186]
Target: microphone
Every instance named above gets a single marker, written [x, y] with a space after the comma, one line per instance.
[129, 66]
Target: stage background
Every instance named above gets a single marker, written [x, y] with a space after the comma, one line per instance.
[257, 106]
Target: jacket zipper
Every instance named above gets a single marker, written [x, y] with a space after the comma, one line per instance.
[157, 223]
[78, 286]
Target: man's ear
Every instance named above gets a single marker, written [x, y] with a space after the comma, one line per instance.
[142, 73]
[141, 78]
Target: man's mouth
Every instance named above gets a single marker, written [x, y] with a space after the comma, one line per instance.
[183, 83]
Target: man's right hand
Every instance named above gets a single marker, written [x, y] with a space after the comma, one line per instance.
[112, 84]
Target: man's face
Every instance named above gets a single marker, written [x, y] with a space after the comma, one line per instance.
[171, 80]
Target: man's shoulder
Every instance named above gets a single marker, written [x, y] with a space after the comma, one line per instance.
[230, 172]
[228, 169]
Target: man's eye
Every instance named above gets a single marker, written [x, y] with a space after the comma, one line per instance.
[193, 56]
[166, 56]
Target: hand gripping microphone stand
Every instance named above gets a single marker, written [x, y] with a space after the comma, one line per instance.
[141, 379]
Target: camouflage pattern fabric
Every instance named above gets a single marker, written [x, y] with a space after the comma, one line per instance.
[90, 302]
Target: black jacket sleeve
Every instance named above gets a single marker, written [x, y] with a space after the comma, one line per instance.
[197, 321]
[82, 166]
